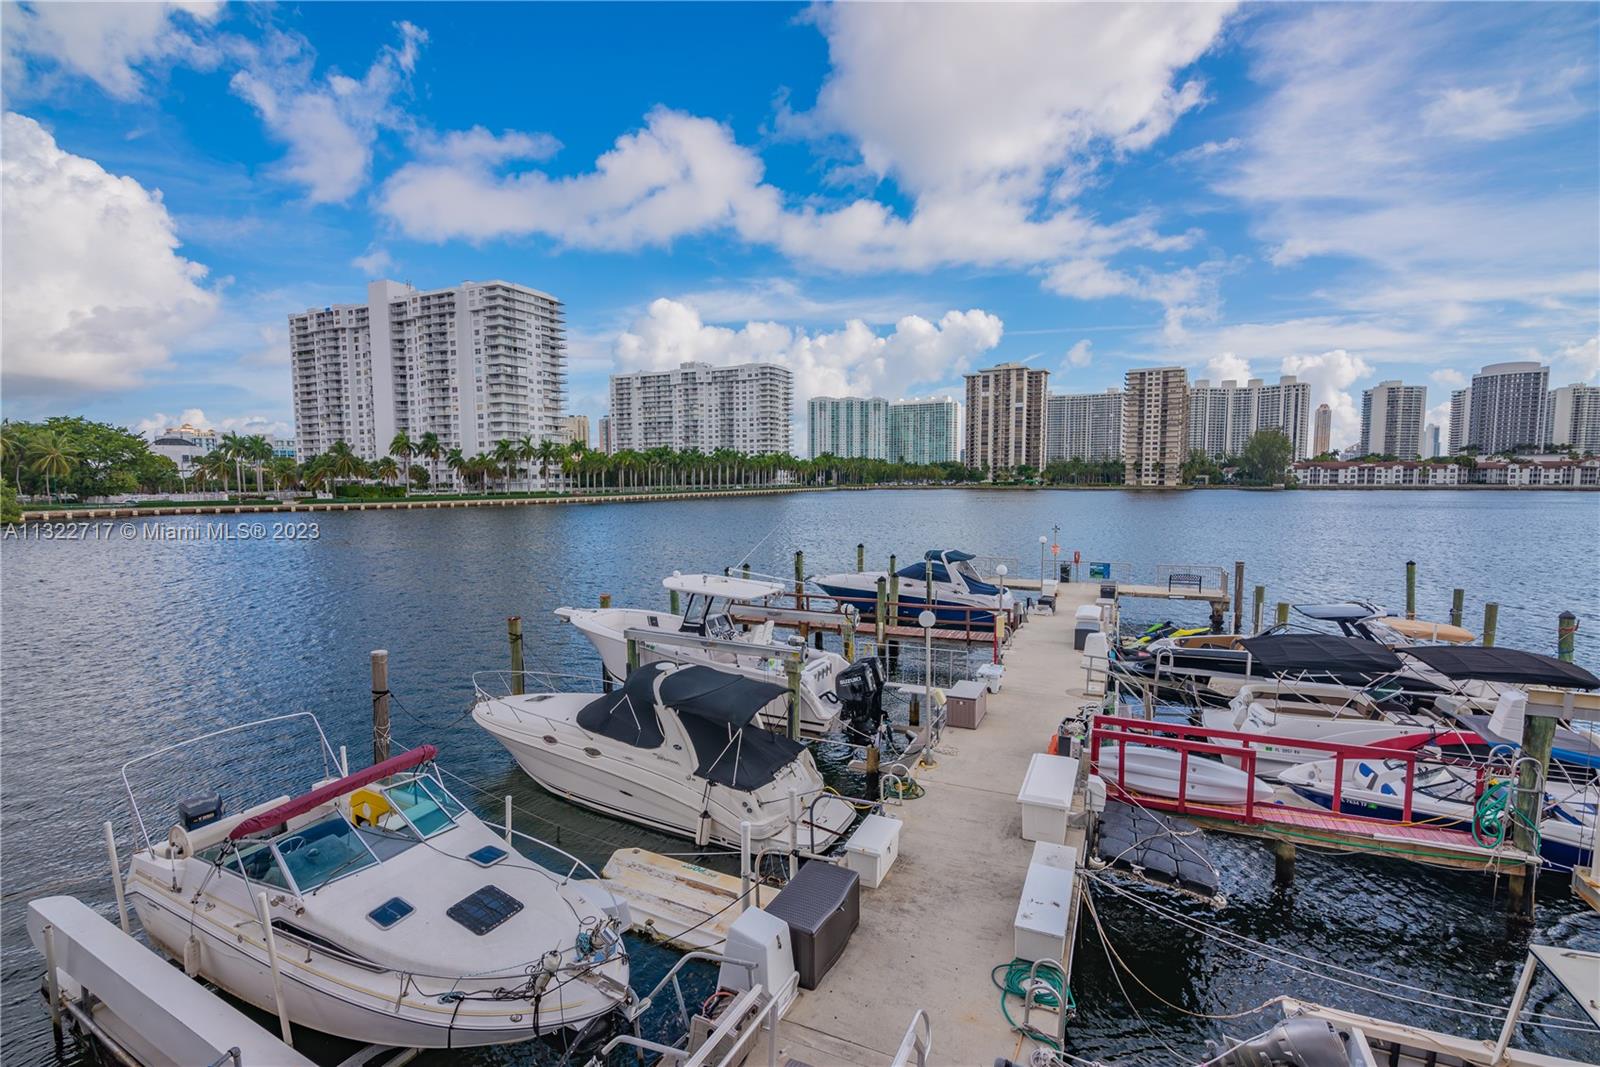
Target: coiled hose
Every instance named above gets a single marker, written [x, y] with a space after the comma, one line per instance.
[1014, 984]
[1494, 815]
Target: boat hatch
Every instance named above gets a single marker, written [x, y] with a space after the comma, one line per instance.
[485, 909]
[390, 912]
[487, 856]
[323, 851]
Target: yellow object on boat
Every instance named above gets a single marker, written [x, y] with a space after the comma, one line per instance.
[1423, 630]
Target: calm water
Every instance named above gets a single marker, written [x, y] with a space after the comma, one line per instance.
[111, 649]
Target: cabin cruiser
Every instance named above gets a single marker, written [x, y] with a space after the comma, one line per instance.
[397, 917]
[961, 597]
[1289, 711]
[675, 748]
[707, 614]
[1448, 794]
[1163, 772]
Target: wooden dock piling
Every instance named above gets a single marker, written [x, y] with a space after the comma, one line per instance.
[1457, 598]
[1238, 595]
[514, 636]
[861, 557]
[1411, 588]
[1283, 612]
[1491, 615]
[380, 705]
[1259, 601]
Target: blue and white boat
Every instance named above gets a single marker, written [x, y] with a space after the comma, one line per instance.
[961, 597]
[1448, 795]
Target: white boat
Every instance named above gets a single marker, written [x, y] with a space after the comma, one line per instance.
[1154, 772]
[1447, 795]
[1289, 711]
[960, 596]
[674, 748]
[706, 614]
[398, 917]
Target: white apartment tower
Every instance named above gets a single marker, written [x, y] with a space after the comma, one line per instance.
[1505, 408]
[1223, 417]
[1085, 426]
[1392, 420]
[746, 408]
[1574, 418]
[474, 364]
[1155, 436]
[1460, 404]
[925, 431]
[1322, 436]
[850, 427]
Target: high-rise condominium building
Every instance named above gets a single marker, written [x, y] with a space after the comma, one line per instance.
[1223, 417]
[575, 430]
[1460, 405]
[473, 364]
[1430, 440]
[1506, 407]
[850, 427]
[925, 431]
[1155, 434]
[603, 440]
[1574, 418]
[1006, 417]
[1392, 417]
[746, 408]
[1084, 426]
[1322, 435]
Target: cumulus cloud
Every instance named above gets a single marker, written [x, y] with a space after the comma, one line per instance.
[853, 360]
[1080, 354]
[1331, 375]
[104, 42]
[1228, 367]
[1578, 362]
[329, 124]
[95, 293]
[989, 156]
[1448, 377]
[153, 425]
[375, 262]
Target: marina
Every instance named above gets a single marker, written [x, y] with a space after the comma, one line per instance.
[965, 857]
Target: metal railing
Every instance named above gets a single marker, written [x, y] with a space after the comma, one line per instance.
[736, 1021]
[917, 1042]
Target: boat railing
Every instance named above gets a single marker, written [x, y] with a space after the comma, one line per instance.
[917, 1042]
[497, 685]
[512, 835]
[751, 1011]
[1199, 741]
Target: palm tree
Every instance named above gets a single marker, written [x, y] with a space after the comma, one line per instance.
[386, 470]
[343, 463]
[215, 467]
[506, 454]
[13, 447]
[284, 472]
[457, 463]
[402, 449]
[548, 452]
[53, 457]
[314, 476]
[430, 447]
[233, 446]
[527, 449]
[258, 450]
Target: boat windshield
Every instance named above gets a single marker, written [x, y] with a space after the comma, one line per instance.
[428, 807]
[977, 585]
[323, 851]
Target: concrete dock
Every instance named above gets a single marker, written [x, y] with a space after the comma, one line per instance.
[931, 934]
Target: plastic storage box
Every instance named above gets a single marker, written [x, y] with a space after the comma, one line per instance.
[1040, 932]
[1046, 796]
[822, 905]
[872, 849]
[966, 704]
[1085, 621]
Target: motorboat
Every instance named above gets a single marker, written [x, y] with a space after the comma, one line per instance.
[396, 916]
[1448, 794]
[961, 597]
[1156, 772]
[677, 748]
[707, 614]
[1287, 711]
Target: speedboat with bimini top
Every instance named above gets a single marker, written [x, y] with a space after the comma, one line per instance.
[961, 597]
[707, 614]
[676, 748]
[394, 915]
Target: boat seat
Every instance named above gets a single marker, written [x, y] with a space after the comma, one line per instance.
[367, 806]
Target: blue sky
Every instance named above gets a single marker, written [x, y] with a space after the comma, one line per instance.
[880, 196]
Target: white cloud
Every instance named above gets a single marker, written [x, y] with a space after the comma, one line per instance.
[1578, 362]
[95, 293]
[1494, 112]
[1208, 150]
[1228, 367]
[853, 360]
[1080, 354]
[1331, 375]
[104, 42]
[1448, 377]
[375, 262]
[784, 298]
[988, 154]
[331, 124]
[479, 145]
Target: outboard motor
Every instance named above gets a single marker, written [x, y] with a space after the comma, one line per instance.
[1292, 1043]
[199, 810]
[859, 688]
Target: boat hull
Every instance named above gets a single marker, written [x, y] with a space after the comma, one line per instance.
[1155, 772]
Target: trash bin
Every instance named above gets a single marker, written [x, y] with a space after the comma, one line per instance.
[1065, 572]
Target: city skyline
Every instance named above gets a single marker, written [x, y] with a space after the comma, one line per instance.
[176, 191]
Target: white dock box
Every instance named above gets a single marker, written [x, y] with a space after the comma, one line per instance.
[872, 849]
[1040, 932]
[1047, 854]
[1087, 613]
[1046, 796]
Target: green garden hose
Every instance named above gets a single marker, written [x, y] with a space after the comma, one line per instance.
[1493, 816]
[1014, 985]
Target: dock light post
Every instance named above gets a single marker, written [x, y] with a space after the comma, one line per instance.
[926, 621]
